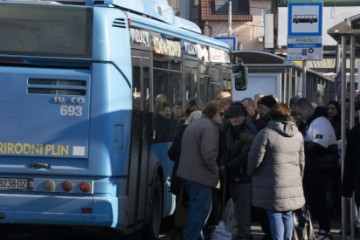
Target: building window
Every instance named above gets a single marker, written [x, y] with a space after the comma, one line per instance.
[175, 4]
[194, 11]
[238, 6]
[221, 6]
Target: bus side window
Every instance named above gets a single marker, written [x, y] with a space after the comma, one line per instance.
[216, 84]
[167, 93]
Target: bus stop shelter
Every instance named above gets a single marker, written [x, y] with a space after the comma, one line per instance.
[347, 34]
[291, 74]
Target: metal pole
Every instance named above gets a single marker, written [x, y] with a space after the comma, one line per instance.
[304, 79]
[343, 102]
[230, 18]
[352, 80]
[285, 98]
[343, 125]
[338, 66]
[291, 84]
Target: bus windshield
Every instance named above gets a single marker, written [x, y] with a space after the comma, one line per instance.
[45, 30]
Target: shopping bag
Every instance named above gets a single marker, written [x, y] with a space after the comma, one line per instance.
[229, 219]
[303, 229]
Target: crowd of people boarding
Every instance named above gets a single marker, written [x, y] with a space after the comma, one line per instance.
[269, 158]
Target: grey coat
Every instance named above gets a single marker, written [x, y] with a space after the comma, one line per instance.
[276, 161]
[199, 151]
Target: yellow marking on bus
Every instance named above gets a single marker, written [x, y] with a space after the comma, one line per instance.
[34, 149]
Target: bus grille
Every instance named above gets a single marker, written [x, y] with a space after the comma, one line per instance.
[119, 22]
[57, 86]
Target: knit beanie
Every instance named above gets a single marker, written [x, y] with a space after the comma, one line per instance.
[235, 110]
[268, 101]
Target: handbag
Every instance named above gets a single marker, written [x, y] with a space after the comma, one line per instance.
[303, 228]
[181, 211]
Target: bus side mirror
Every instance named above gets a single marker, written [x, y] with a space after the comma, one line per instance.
[240, 77]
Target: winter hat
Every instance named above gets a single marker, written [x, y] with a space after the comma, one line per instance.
[293, 100]
[235, 110]
[268, 101]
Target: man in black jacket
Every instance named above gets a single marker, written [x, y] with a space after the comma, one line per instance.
[321, 158]
[233, 163]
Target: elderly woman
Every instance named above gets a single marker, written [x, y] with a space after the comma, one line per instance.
[276, 163]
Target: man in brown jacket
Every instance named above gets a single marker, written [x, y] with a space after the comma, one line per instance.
[198, 167]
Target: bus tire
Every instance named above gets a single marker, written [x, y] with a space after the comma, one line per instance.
[156, 209]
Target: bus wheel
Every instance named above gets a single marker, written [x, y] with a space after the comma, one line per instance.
[156, 205]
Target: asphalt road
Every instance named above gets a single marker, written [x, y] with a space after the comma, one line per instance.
[69, 233]
[42, 233]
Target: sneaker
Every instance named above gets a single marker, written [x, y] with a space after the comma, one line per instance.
[322, 235]
[315, 223]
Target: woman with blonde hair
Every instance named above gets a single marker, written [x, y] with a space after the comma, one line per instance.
[193, 104]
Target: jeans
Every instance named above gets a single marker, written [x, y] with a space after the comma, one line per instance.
[200, 204]
[281, 224]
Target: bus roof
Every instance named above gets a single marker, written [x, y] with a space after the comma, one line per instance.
[158, 12]
[158, 9]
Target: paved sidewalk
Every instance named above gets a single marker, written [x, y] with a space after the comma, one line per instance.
[336, 228]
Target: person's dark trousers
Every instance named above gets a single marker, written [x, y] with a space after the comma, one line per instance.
[264, 222]
[215, 216]
[316, 185]
[335, 193]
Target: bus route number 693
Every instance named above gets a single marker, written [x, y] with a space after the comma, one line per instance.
[70, 110]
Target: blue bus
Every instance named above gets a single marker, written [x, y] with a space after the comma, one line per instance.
[86, 91]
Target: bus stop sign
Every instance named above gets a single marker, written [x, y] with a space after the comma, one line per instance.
[305, 31]
[304, 19]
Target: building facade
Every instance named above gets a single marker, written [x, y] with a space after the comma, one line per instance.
[247, 19]
[262, 24]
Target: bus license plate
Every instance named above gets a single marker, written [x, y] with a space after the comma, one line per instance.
[14, 184]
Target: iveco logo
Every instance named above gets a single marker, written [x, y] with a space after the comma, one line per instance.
[72, 100]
